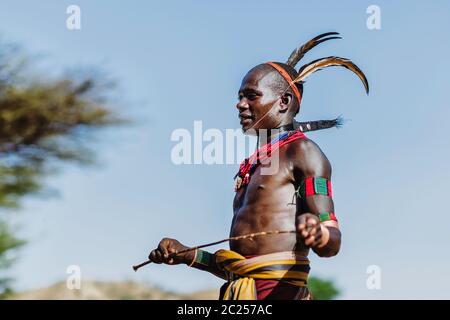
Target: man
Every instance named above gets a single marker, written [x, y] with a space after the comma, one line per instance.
[274, 266]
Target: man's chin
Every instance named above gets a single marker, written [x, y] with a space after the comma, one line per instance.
[248, 130]
[246, 126]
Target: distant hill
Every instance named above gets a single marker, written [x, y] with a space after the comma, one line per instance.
[129, 290]
[98, 290]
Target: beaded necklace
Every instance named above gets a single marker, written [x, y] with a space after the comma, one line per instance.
[249, 165]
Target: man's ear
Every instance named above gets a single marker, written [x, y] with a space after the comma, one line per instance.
[286, 100]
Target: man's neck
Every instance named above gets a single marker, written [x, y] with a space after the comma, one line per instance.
[267, 135]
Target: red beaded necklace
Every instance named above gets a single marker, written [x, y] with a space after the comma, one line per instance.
[249, 165]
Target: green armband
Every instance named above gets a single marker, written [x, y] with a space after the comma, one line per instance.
[203, 260]
[314, 186]
[327, 216]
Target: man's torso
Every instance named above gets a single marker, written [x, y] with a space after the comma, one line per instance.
[267, 203]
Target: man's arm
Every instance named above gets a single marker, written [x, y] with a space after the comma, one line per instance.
[199, 259]
[314, 201]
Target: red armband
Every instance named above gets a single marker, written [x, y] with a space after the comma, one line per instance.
[314, 186]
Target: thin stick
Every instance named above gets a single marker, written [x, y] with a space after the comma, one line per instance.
[247, 236]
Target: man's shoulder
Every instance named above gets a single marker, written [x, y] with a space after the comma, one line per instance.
[306, 155]
[303, 147]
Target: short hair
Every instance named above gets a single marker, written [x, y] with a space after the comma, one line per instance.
[280, 85]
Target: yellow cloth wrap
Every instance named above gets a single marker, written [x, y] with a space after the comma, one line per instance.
[286, 266]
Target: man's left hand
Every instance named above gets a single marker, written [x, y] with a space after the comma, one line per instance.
[311, 231]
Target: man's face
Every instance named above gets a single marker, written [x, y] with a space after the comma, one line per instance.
[256, 97]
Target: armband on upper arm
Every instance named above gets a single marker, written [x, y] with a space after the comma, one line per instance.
[317, 186]
[314, 186]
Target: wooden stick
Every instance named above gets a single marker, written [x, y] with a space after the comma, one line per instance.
[247, 236]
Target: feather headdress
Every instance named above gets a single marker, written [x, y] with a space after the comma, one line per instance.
[316, 65]
[298, 53]
[308, 69]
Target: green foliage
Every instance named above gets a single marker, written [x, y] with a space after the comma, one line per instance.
[322, 289]
[8, 244]
[43, 121]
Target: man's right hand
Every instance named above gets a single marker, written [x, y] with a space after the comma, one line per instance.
[165, 253]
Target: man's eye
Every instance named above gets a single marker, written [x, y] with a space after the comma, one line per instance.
[250, 96]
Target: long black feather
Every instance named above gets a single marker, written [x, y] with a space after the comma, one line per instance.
[318, 124]
[299, 53]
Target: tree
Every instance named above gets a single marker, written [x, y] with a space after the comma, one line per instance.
[43, 121]
[322, 289]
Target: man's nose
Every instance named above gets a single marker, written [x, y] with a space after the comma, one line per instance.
[242, 104]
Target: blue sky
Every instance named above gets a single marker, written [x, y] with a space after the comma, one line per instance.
[182, 61]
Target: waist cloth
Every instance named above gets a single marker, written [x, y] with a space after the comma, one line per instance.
[280, 275]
